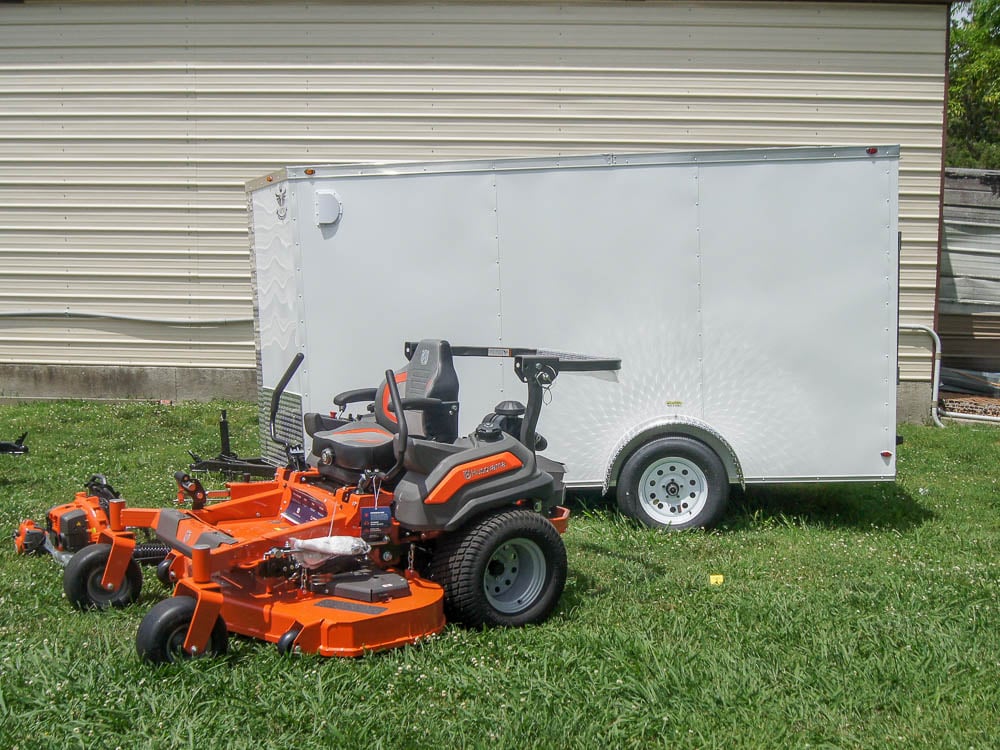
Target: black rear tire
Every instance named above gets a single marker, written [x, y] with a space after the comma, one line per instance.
[163, 630]
[505, 570]
[82, 580]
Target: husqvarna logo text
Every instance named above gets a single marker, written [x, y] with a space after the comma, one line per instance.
[484, 470]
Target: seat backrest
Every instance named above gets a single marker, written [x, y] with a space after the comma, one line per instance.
[430, 373]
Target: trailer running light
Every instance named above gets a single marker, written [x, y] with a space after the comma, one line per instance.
[310, 171]
[872, 150]
[886, 454]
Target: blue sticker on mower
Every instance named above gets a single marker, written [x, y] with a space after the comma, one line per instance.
[375, 523]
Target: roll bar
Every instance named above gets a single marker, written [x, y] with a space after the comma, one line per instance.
[538, 369]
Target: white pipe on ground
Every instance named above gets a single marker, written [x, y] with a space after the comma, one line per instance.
[936, 413]
[936, 383]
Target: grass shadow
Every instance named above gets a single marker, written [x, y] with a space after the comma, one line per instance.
[849, 505]
[842, 506]
[579, 590]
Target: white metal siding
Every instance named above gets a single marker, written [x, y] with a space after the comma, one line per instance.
[129, 129]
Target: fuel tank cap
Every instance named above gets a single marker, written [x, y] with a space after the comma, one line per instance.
[488, 433]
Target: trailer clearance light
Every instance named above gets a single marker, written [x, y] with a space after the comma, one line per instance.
[886, 454]
[872, 150]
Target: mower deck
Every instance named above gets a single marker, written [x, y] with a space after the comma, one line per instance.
[335, 625]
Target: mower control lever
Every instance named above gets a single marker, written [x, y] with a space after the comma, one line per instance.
[399, 445]
[295, 453]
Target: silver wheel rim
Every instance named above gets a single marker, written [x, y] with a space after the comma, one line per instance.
[514, 576]
[673, 490]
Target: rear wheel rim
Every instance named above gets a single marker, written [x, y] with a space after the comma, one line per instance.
[514, 577]
[673, 490]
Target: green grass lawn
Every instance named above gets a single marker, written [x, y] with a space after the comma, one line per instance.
[849, 616]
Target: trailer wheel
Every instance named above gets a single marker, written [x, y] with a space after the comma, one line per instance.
[505, 570]
[82, 580]
[674, 482]
[163, 630]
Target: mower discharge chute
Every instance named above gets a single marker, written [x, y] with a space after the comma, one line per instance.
[388, 527]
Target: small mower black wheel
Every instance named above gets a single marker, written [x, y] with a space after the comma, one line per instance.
[162, 632]
[82, 580]
[163, 572]
[674, 482]
[507, 569]
[287, 641]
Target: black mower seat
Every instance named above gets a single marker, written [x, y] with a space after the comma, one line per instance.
[357, 447]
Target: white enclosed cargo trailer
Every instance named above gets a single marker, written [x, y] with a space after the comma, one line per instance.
[751, 296]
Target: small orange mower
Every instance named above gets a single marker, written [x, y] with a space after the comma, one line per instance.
[387, 527]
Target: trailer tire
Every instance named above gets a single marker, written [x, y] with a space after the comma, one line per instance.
[163, 630]
[505, 570]
[82, 580]
[675, 482]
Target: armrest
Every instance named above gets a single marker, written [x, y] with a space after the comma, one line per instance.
[320, 423]
[424, 404]
[351, 397]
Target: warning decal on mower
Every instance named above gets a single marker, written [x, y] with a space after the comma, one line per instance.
[375, 523]
[364, 609]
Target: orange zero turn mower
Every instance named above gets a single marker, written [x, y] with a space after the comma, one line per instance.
[388, 528]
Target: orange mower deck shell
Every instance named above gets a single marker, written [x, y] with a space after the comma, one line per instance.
[326, 625]
[258, 518]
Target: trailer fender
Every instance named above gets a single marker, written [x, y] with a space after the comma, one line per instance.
[676, 425]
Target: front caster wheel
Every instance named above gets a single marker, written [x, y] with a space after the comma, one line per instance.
[286, 643]
[163, 572]
[507, 569]
[162, 632]
[675, 482]
[82, 580]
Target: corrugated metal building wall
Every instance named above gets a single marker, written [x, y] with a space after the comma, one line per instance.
[130, 128]
[970, 270]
